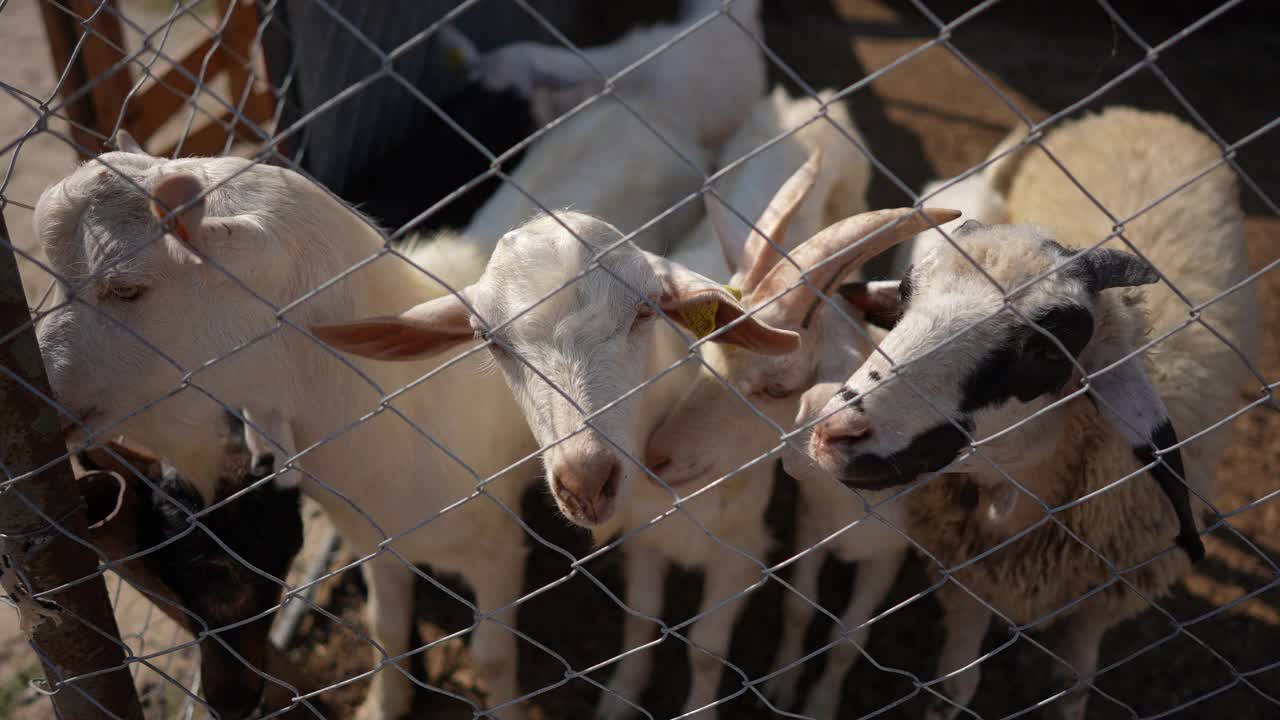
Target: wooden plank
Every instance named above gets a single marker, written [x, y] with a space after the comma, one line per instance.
[73, 629]
[108, 75]
[173, 90]
[63, 33]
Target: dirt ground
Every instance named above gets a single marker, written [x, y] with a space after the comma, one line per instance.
[1213, 649]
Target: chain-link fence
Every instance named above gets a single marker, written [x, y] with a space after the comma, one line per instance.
[338, 405]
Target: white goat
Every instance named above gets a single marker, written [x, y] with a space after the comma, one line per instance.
[587, 493]
[569, 314]
[689, 449]
[839, 184]
[834, 519]
[998, 369]
[820, 189]
[128, 290]
[707, 79]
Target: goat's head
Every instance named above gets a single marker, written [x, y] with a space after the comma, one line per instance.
[138, 505]
[690, 443]
[569, 314]
[970, 359]
[158, 263]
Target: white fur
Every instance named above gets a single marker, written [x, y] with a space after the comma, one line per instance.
[293, 237]
[732, 511]
[981, 197]
[748, 187]
[706, 81]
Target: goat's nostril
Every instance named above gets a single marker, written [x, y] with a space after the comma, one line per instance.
[657, 463]
[850, 432]
[609, 490]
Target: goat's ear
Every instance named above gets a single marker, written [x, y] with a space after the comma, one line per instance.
[177, 201]
[747, 252]
[122, 460]
[1126, 397]
[125, 143]
[879, 301]
[103, 493]
[421, 332]
[704, 307]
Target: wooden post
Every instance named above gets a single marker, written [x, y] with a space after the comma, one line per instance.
[73, 630]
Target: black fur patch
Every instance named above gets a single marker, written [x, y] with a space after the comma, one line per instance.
[1027, 364]
[847, 393]
[1174, 489]
[929, 451]
[264, 527]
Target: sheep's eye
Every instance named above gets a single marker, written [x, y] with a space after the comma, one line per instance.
[127, 293]
[776, 392]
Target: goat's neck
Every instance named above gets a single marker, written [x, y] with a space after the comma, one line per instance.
[329, 394]
[660, 395]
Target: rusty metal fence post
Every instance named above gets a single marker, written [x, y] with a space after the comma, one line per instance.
[73, 630]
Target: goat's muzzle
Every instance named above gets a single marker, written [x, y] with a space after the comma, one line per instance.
[586, 485]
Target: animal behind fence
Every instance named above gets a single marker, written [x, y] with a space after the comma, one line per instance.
[667, 299]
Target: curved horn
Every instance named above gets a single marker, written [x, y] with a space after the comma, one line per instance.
[842, 248]
[754, 254]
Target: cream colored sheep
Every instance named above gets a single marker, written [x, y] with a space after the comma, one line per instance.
[960, 364]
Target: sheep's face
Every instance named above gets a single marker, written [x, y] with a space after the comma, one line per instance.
[960, 364]
[136, 308]
[571, 322]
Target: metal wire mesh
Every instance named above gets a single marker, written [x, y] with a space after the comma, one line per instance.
[535, 593]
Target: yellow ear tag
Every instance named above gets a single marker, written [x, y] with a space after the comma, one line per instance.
[700, 318]
[735, 292]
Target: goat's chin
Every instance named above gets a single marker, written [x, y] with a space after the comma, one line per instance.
[586, 519]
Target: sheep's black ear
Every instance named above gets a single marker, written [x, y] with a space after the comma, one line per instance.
[1169, 475]
[880, 301]
[1040, 366]
[1103, 268]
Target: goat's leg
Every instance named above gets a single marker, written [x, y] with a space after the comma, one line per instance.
[494, 646]
[874, 580]
[643, 574]
[390, 609]
[797, 611]
[726, 577]
[1079, 649]
[965, 622]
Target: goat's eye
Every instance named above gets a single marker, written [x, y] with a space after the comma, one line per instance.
[776, 392]
[127, 293]
[643, 313]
